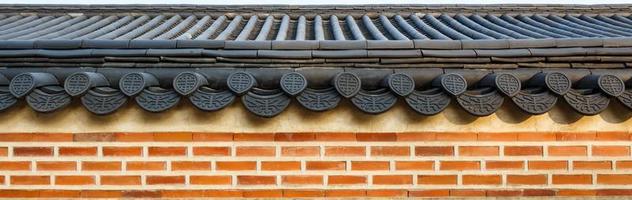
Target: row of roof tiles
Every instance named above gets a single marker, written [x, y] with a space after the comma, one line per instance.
[327, 27]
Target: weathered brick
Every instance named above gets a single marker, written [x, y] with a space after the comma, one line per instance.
[211, 180]
[256, 180]
[280, 165]
[212, 137]
[255, 151]
[392, 179]
[287, 137]
[390, 151]
[336, 137]
[345, 151]
[346, 180]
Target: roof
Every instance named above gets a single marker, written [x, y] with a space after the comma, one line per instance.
[476, 56]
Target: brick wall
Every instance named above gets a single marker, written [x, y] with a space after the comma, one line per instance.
[184, 164]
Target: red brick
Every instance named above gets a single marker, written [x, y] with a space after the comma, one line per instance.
[523, 151]
[436, 179]
[212, 137]
[424, 136]
[77, 151]
[93, 137]
[540, 179]
[460, 165]
[591, 165]
[122, 151]
[52, 137]
[572, 179]
[614, 192]
[414, 165]
[56, 165]
[101, 165]
[303, 193]
[302, 180]
[336, 137]
[387, 193]
[280, 165]
[457, 136]
[190, 165]
[390, 151]
[30, 180]
[256, 180]
[376, 137]
[548, 165]
[613, 136]
[141, 194]
[429, 193]
[211, 180]
[33, 151]
[610, 150]
[259, 137]
[149, 165]
[538, 192]
[497, 137]
[173, 137]
[74, 180]
[434, 151]
[165, 180]
[325, 165]
[287, 137]
[16, 137]
[236, 165]
[255, 151]
[392, 179]
[482, 180]
[15, 165]
[614, 179]
[370, 165]
[211, 151]
[263, 193]
[300, 151]
[345, 193]
[478, 151]
[346, 180]
[345, 151]
[504, 165]
[167, 151]
[120, 180]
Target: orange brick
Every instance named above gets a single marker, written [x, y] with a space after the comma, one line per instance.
[468, 193]
[370, 165]
[74, 180]
[393, 179]
[497, 136]
[101, 166]
[52, 137]
[165, 180]
[460, 165]
[255, 151]
[434, 151]
[173, 137]
[300, 151]
[286, 137]
[503, 193]
[30, 180]
[527, 179]
[547, 165]
[424, 136]
[302, 180]
[190, 165]
[101, 194]
[259, 137]
[211, 151]
[263, 193]
[19, 194]
[56, 166]
[280, 165]
[325, 165]
[572, 179]
[345, 193]
[611, 151]
[345, 151]
[336, 137]
[614, 179]
[60, 193]
[538, 192]
[256, 180]
[523, 151]
[15, 165]
[478, 151]
[536, 136]
[33, 151]
[429, 193]
[211, 180]
[390, 151]
[436, 179]
[457, 136]
[482, 180]
[414, 165]
[620, 165]
[504, 165]
[212, 137]
[167, 151]
[77, 151]
[613, 136]
[387, 193]
[4, 151]
[346, 180]
[376, 137]
[120, 180]
[122, 151]
[303, 193]
[567, 151]
[591, 165]
[236, 165]
[150, 165]
[133, 137]
[566, 136]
